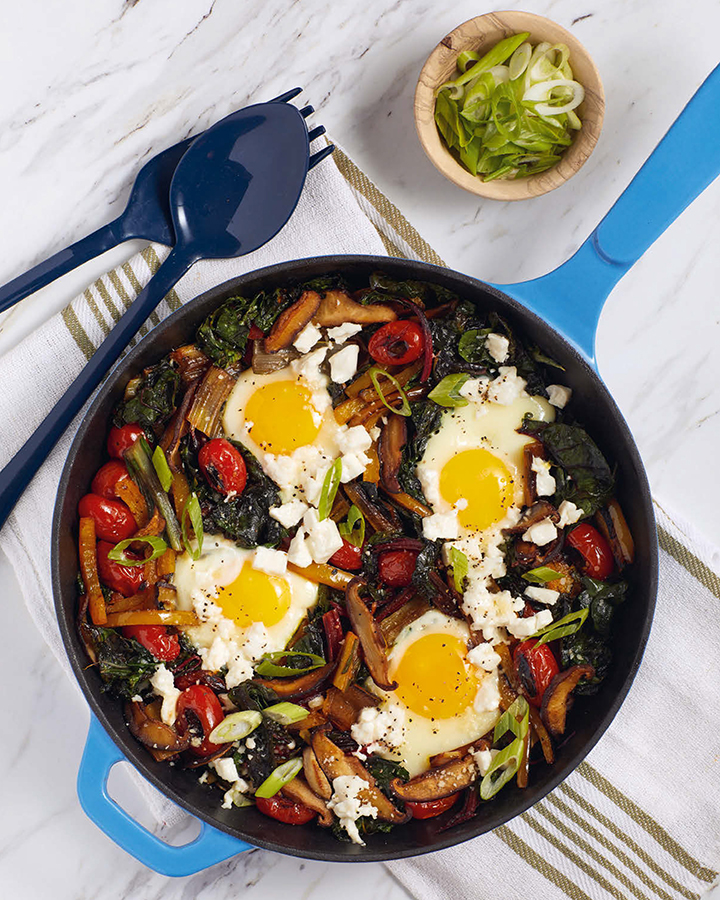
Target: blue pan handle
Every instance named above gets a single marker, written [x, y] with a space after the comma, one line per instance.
[209, 847]
[571, 297]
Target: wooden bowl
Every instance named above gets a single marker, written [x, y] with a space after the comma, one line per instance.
[480, 34]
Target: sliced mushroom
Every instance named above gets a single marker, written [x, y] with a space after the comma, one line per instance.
[614, 526]
[145, 724]
[530, 452]
[302, 686]
[540, 510]
[191, 362]
[300, 792]
[291, 322]
[335, 763]
[558, 698]
[370, 636]
[392, 440]
[337, 308]
[435, 784]
[394, 622]
[342, 707]
[538, 731]
[314, 774]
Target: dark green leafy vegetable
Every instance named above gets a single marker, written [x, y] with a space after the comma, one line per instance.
[426, 562]
[583, 648]
[383, 771]
[423, 423]
[250, 695]
[471, 347]
[154, 400]
[384, 287]
[125, 666]
[602, 599]
[281, 663]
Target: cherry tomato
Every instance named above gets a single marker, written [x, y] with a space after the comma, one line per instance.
[223, 466]
[113, 519]
[284, 810]
[255, 333]
[126, 580]
[396, 567]
[155, 638]
[121, 439]
[594, 549]
[397, 343]
[203, 702]
[536, 667]
[430, 808]
[107, 478]
[347, 557]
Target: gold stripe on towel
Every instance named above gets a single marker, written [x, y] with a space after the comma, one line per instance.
[78, 332]
[533, 858]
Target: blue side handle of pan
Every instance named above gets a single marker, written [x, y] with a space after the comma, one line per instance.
[683, 164]
[211, 846]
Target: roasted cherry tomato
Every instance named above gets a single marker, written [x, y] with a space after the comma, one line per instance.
[202, 702]
[536, 667]
[223, 466]
[155, 638]
[124, 579]
[113, 520]
[430, 808]
[397, 343]
[347, 557]
[284, 810]
[594, 549]
[121, 439]
[396, 567]
[107, 478]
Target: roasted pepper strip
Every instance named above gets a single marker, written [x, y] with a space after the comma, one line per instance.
[152, 617]
[89, 571]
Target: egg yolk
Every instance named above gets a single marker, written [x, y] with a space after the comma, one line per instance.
[282, 416]
[433, 678]
[254, 597]
[484, 481]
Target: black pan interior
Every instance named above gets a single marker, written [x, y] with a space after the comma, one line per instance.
[590, 717]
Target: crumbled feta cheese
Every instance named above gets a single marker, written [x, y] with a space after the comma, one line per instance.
[507, 387]
[374, 432]
[236, 796]
[353, 464]
[347, 805]
[483, 760]
[354, 440]
[239, 670]
[343, 364]
[488, 696]
[522, 628]
[559, 395]
[298, 551]
[544, 481]
[343, 332]
[475, 390]
[272, 562]
[289, 513]
[542, 595]
[307, 338]
[497, 346]
[164, 686]
[569, 513]
[203, 778]
[137, 698]
[315, 702]
[225, 768]
[541, 532]
[441, 525]
[484, 657]
[323, 536]
[377, 730]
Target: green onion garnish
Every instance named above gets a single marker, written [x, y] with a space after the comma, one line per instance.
[353, 528]
[159, 460]
[569, 624]
[193, 512]
[447, 391]
[286, 713]
[405, 408]
[329, 489]
[268, 669]
[541, 575]
[278, 778]
[236, 726]
[506, 763]
[459, 563]
[142, 471]
[117, 554]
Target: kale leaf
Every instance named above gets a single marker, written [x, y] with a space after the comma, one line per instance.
[384, 770]
[125, 666]
[424, 422]
[250, 695]
[426, 561]
[384, 287]
[154, 399]
[603, 599]
[586, 648]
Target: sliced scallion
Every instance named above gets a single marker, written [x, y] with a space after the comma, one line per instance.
[159, 461]
[569, 624]
[504, 766]
[117, 554]
[353, 528]
[286, 713]
[329, 489]
[541, 575]
[140, 466]
[447, 391]
[376, 371]
[236, 726]
[194, 514]
[268, 669]
[278, 778]
[459, 564]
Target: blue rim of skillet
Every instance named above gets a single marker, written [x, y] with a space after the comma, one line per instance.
[591, 716]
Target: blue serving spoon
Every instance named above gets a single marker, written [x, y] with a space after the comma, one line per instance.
[147, 216]
[232, 191]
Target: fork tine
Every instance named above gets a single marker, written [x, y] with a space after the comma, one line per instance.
[306, 111]
[288, 95]
[320, 155]
[316, 132]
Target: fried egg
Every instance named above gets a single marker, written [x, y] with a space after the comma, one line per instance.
[441, 699]
[244, 612]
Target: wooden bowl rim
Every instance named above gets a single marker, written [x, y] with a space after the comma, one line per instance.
[496, 25]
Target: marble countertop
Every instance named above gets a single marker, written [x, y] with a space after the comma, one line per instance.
[93, 89]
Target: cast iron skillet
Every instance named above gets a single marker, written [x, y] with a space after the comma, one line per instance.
[570, 300]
